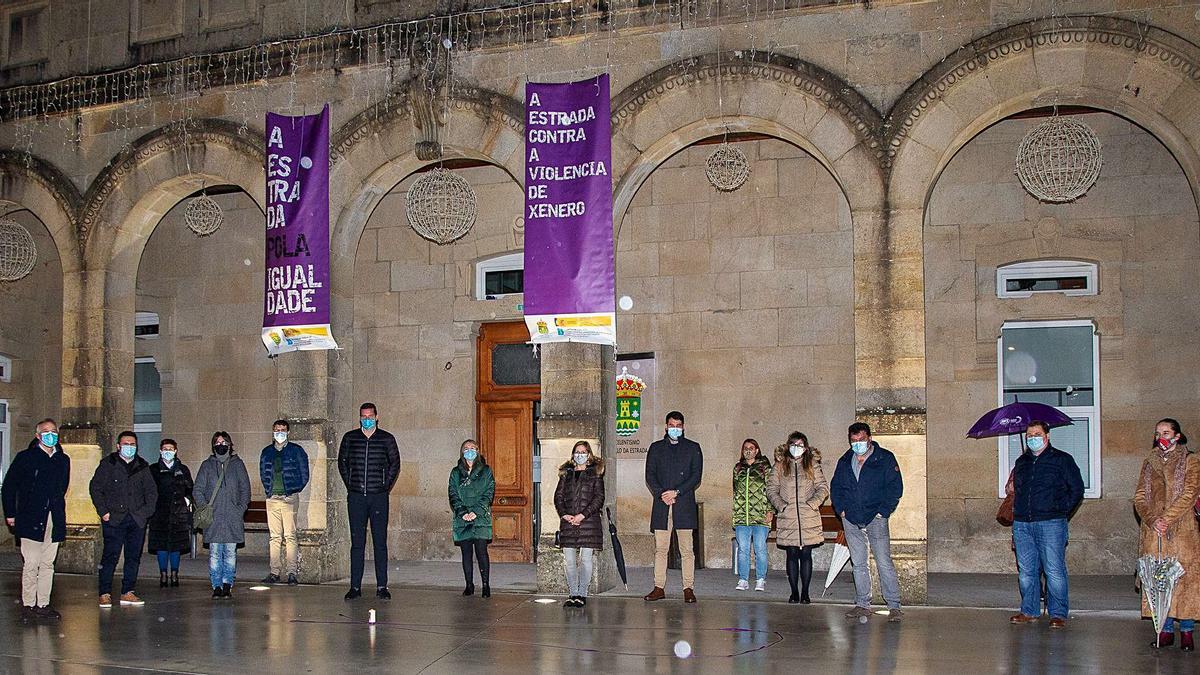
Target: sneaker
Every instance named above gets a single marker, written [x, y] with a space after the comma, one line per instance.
[131, 598]
[760, 585]
[217, 592]
[580, 601]
[894, 615]
[383, 593]
[271, 579]
[292, 580]
[742, 585]
[47, 614]
[570, 602]
[353, 594]
[858, 612]
[28, 614]
[106, 600]
[226, 590]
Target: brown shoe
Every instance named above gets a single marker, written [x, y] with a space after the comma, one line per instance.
[131, 599]
[656, 594]
[1058, 623]
[1020, 618]
[689, 596]
[106, 600]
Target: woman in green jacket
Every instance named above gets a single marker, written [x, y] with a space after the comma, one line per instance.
[472, 487]
[751, 513]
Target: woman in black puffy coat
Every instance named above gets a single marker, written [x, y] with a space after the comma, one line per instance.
[170, 528]
[579, 499]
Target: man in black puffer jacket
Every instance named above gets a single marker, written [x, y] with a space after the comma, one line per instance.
[369, 462]
[125, 495]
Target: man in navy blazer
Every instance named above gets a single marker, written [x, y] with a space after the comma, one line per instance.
[865, 490]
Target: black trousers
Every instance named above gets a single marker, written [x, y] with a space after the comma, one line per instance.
[364, 509]
[479, 548]
[799, 567]
[123, 535]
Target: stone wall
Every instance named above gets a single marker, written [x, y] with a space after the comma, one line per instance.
[1139, 223]
[745, 298]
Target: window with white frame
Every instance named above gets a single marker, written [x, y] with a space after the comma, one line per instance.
[1056, 363]
[1024, 279]
[5, 368]
[5, 438]
[145, 325]
[147, 407]
[500, 276]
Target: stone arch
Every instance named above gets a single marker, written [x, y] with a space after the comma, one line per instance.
[1142, 73]
[768, 93]
[29, 182]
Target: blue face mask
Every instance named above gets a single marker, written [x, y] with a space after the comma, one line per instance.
[1035, 443]
[48, 439]
[675, 433]
[168, 456]
[128, 451]
[367, 423]
[470, 455]
[860, 448]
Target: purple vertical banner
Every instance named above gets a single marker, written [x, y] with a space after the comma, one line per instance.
[569, 274]
[296, 292]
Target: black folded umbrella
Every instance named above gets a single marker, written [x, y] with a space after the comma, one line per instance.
[616, 547]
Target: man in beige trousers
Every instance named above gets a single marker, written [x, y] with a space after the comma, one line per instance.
[674, 467]
[283, 467]
[35, 508]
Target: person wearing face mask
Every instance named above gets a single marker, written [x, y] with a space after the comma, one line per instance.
[866, 489]
[35, 508]
[751, 513]
[369, 463]
[170, 532]
[797, 489]
[471, 490]
[1047, 486]
[579, 499]
[674, 468]
[125, 496]
[283, 468]
[1167, 489]
[223, 482]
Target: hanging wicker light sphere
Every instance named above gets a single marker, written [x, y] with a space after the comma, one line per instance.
[727, 168]
[440, 206]
[18, 253]
[203, 215]
[1059, 160]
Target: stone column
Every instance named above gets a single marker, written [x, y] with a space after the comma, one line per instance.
[889, 346]
[577, 404]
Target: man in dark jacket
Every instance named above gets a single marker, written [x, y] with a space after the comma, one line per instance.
[35, 507]
[283, 467]
[369, 462]
[125, 496]
[674, 467]
[865, 490]
[1047, 486]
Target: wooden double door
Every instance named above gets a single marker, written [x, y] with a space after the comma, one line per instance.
[508, 388]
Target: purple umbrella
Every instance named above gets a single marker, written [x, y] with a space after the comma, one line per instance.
[1015, 417]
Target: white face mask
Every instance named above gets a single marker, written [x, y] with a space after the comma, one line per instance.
[796, 451]
[280, 437]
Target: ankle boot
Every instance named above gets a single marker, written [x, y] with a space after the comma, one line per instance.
[1185, 641]
[470, 589]
[487, 590]
[162, 578]
[1164, 639]
[174, 578]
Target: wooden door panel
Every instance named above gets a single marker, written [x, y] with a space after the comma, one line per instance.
[507, 441]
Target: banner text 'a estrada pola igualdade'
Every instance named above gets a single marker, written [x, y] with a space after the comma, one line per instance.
[569, 274]
[296, 292]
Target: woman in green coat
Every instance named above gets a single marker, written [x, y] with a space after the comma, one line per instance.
[472, 487]
[751, 513]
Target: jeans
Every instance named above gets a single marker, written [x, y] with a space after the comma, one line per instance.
[127, 535]
[222, 564]
[1042, 547]
[876, 534]
[1185, 625]
[171, 557]
[758, 534]
[579, 570]
[364, 508]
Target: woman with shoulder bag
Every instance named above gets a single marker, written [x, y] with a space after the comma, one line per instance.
[223, 490]
[579, 498]
[797, 489]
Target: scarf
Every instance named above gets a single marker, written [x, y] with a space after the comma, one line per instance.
[1174, 481]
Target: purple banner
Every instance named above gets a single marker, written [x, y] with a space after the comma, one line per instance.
[569, 273]
[296, 302]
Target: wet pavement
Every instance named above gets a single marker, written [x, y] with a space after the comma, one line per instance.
[311, 629]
